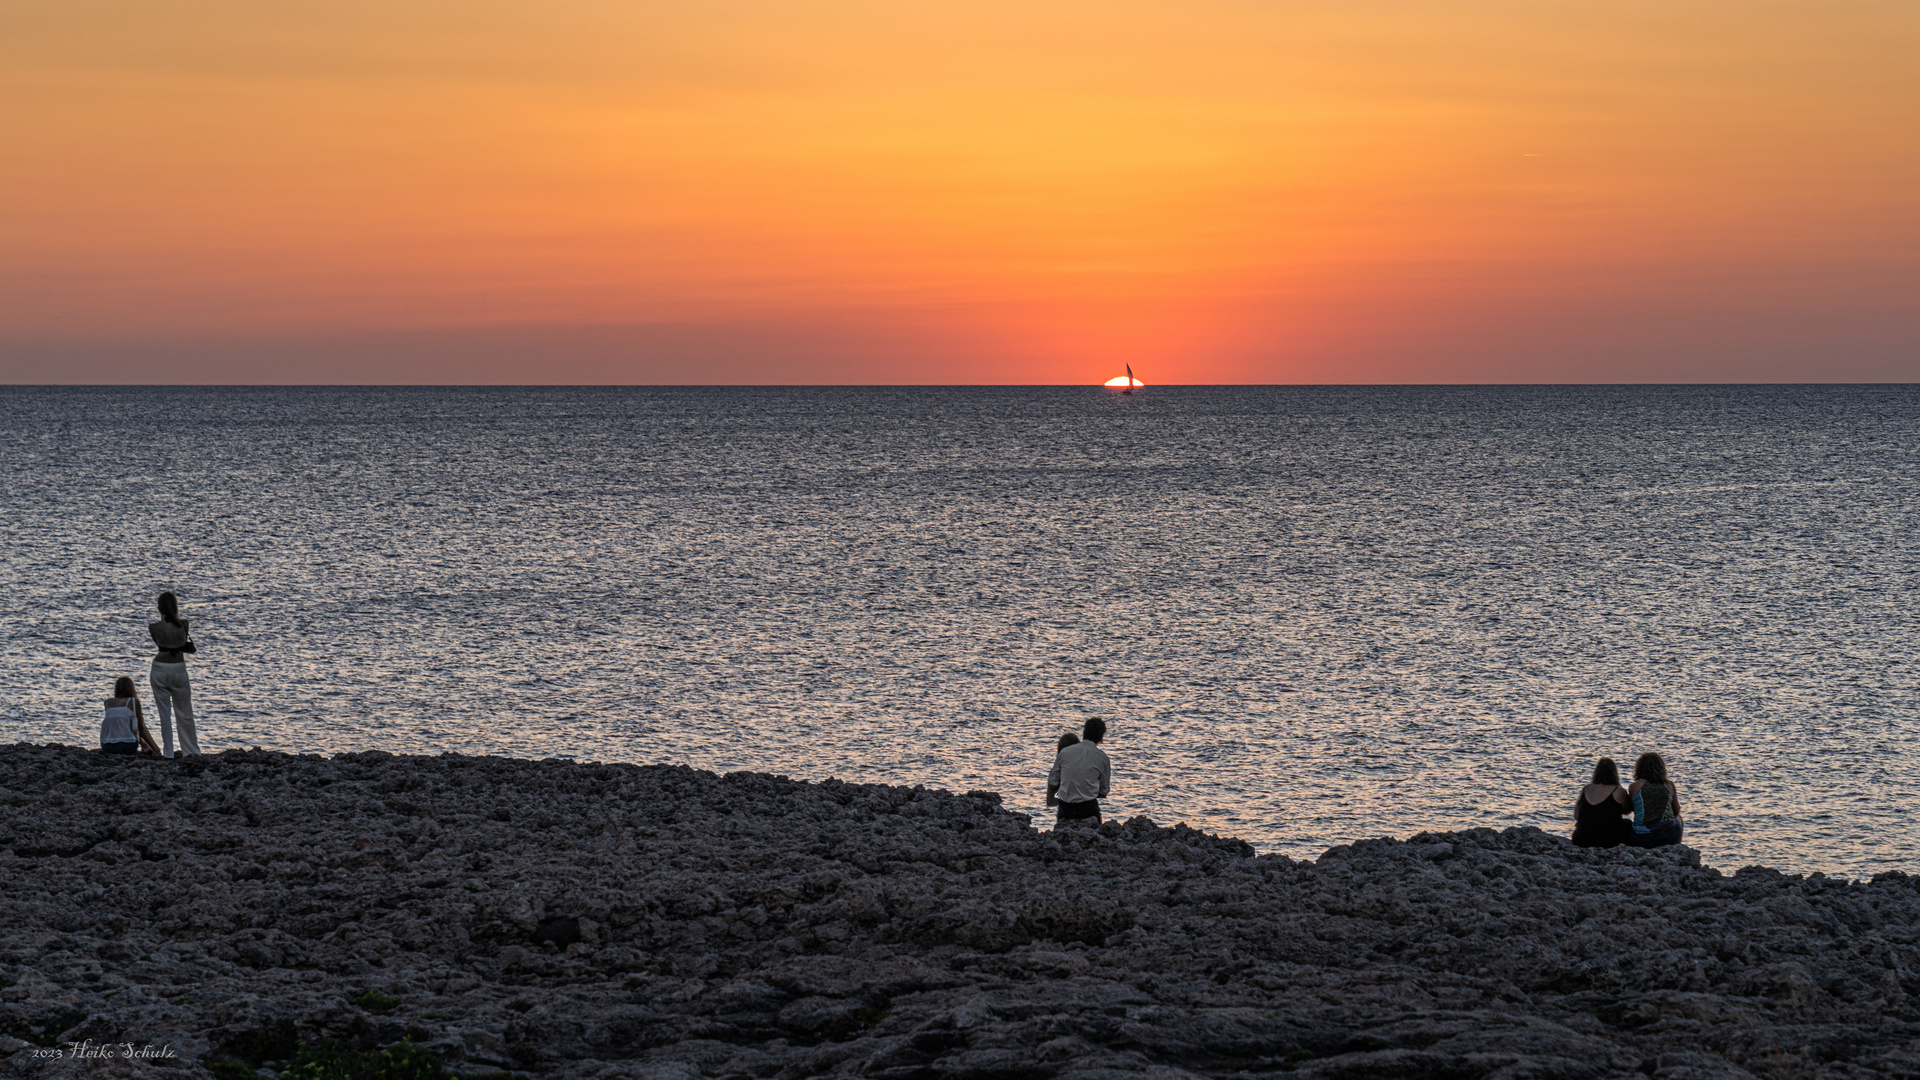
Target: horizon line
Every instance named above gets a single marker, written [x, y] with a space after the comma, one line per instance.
[907, 386]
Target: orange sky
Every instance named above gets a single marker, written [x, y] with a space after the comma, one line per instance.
[1024, 191]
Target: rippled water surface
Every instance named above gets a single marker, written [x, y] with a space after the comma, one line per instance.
[1310, 614]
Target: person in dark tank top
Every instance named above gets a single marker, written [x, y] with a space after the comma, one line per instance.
[1600, 813]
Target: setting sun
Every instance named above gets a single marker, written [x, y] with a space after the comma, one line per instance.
[993, 191]
[1121, 382]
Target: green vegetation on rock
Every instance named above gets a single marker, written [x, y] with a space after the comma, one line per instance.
[335, 1061]
[277, 1045]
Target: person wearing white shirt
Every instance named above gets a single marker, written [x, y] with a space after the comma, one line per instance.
[1081, 775]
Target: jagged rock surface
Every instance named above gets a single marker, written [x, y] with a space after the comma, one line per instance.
[564, 920]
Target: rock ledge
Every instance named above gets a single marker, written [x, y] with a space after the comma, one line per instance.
[554, 919]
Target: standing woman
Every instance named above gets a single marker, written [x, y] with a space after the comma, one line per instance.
[169, 678]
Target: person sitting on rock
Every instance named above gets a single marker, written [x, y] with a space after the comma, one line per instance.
[1656, 804]
[123, 730]
[1080, 777]
[1600, 813]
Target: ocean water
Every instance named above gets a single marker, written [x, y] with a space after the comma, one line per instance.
[1309, 615]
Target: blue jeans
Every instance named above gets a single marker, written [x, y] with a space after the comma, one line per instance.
[1667, 834]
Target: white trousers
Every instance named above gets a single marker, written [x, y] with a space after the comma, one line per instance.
[171, 692]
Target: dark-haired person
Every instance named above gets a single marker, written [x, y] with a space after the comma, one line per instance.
[171, 693]
[1600, 814]
[1066, 739]
[123, 729]
[1081, 775]
[1656, 804]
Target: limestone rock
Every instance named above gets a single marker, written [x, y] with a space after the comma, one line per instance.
[555, 919]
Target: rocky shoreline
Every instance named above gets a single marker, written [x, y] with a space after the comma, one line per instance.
[553, 919]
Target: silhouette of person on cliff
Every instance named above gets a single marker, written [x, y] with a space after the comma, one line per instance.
[1656, 805]
[1081, 776]
[1600, 813]
[123, 727]
[1066, 739]
[171, 693]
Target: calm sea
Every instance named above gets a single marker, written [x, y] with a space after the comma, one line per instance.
[1310, 615]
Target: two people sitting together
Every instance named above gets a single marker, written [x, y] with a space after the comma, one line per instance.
[1601, 814]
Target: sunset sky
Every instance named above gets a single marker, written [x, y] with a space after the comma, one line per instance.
[959, 191]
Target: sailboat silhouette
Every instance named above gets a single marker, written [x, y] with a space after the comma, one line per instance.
[1129, 388]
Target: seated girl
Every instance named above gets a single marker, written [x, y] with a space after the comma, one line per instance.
[1600, 814]
[1656, 804]
[123, 730]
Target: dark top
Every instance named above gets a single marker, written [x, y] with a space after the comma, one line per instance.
[172, 640]
[1602, 824]
[1657, 801]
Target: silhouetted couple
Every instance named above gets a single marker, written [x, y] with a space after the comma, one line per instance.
[1644, 814]
[1081, 775]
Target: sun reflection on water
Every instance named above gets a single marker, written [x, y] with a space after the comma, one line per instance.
[1309, 615]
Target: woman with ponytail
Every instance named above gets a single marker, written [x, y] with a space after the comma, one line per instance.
[171, 693]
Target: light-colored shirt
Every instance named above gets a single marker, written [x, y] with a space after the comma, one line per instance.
[117, 725]
[1081, 772]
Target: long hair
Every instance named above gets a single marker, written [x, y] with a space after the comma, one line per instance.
[1606, 772]
[1068, 740]
[1651, 767]
[123, 687]
[169, 607]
